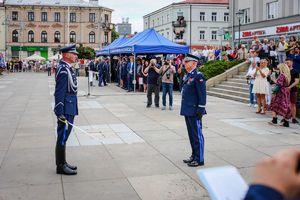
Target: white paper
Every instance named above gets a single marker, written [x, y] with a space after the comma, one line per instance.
[223, 183]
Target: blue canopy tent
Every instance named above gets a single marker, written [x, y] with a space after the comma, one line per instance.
[148, 42]
[116, 43]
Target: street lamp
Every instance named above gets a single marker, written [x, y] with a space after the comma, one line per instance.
[240, 15]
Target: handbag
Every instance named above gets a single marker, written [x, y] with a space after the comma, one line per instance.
[276, 89]
[159, 79]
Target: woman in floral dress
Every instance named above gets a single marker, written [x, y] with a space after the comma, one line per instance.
[280, 104]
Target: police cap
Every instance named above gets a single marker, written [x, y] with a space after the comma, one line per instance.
[69, 49]
[190, 57]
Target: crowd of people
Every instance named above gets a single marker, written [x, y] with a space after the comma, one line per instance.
[273, 77]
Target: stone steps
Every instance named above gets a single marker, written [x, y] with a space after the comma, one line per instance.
[235, 89]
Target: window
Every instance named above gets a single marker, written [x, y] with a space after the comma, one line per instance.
[30, 36]
[162, 20]
[44, 37]
[272, 10]
[214, 16]
[167, 18]
[72, 37]
[57, 37]
[168, 35]
[44, 17]
[246, 17]
[202, 35]
[226, 17]
[106, 18]
[202, 16]
[30, 53]
[106, 37]
[146, 24]
[14, 16]
[92, 37]
[157, 21]
[15, 36]
[57, 17]
[153, 23]
[214, 35]
[179, 14]
[30, 16]
[72, 17]
[92, 17]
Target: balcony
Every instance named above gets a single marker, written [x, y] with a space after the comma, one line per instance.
[181, 23]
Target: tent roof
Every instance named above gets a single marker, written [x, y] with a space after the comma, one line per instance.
[35, 57]
[115, 43]
[150, 42]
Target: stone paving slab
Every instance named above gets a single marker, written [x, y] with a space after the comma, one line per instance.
[131, 152]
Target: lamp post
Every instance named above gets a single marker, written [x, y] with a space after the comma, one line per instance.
[240, 15]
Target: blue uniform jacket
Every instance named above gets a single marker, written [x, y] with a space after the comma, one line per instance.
[130, 67]
[65, 90]
[193, 94]
[260, 192]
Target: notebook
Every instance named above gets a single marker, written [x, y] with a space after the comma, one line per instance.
[223, 183]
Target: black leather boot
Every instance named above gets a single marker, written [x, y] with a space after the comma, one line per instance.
[274, 120]
[286, 123]
[61, 166]
[68, 165]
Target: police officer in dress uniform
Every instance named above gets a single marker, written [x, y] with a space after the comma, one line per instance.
[65, 107]
[193, 108]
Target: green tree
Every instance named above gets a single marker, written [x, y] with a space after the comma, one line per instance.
[114, 34]
[86, 52]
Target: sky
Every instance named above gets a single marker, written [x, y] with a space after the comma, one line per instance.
[134, 10]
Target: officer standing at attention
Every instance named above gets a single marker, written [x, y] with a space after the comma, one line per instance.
[65, 107]
[193, 108]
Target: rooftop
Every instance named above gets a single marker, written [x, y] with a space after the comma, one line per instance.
[75, 3]
[204, 2]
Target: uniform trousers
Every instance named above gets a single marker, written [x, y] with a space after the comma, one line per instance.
[194, 127]
[63, 131]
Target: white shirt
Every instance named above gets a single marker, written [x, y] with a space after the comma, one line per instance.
[250, 73]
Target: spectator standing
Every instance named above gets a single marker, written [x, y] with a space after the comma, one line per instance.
[124, 74]
[243, 53]
[261, 85]
[76, 67]
[296, 59]
[130, 74]
[205, 53]
[139, 76]
[145, 76]
[273, 54]
[265, 49]
[250, 80]
[152, 81]
[280, 104]
[291, 45]
[181, 73]
[2, 63]
[167, 71]
[293, 89]
[281, 47]
[48, 67]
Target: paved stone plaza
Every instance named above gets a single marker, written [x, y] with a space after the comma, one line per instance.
[130, 152]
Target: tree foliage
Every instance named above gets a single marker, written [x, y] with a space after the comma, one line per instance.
[86, 52]
[114, 34]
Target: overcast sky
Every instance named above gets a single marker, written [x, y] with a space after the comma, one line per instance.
[134, 10]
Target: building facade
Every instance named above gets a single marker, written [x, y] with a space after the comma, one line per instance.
[2, 27]
[42, 27]
[196, 23]
[264, 19]
[124, 28]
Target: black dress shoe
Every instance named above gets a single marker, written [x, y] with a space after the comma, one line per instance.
[64, 169]
[195, 164]
[71, 166]
[189, 160]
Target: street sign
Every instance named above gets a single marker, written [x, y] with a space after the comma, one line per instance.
[227, 36]
[220, 32]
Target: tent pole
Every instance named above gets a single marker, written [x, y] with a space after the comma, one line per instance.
[134, 74]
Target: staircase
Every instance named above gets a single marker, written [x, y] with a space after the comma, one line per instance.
[235, 88]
